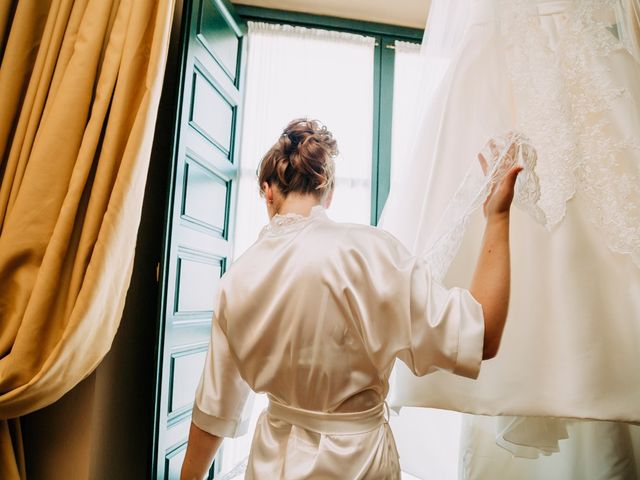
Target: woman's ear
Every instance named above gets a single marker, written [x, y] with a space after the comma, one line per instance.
[268, 192]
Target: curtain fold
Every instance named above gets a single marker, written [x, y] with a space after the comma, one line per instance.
[80, 83]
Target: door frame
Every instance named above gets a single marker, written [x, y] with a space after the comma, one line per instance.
[168, 141]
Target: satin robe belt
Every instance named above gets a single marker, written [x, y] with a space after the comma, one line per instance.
[329, 423]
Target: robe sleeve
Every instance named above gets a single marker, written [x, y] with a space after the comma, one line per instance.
[445, 327]
[412, 317]
[221, 393]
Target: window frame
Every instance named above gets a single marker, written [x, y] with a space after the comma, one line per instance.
[383, 75]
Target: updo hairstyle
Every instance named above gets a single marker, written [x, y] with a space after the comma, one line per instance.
[301, 160]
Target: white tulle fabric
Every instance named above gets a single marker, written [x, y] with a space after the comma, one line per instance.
[565, 75]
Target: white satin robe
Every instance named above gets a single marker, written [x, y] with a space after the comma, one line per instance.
[314, 314]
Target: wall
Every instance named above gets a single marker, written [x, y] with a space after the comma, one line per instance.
[404, 13]
[57, 439]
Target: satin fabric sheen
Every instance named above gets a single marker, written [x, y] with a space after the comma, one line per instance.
[314, 314]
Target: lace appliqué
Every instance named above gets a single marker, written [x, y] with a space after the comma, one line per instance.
[565, 94]
[474, 191]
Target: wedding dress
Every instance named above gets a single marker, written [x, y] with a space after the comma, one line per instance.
[566, 75]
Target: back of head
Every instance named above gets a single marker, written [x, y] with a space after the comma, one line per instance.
[301, 160]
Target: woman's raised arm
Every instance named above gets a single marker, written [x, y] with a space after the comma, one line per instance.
[492, 278]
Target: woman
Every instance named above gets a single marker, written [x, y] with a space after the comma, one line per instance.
[315, 314]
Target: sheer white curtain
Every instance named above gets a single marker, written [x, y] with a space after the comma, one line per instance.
[297, 72]
[407, 67]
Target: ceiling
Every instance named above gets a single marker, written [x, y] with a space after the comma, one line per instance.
[406, 13]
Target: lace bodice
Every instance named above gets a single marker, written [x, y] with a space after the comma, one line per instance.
[566, 93]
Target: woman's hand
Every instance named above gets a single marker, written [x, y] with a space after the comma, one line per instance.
[498, 202]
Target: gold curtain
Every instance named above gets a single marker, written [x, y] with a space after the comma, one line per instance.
[80, 84]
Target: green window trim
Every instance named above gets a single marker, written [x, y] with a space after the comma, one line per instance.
[383, 74]
[383, 106]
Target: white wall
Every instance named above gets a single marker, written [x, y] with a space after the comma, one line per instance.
[405, 13]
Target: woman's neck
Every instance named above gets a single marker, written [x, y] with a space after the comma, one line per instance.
[298, 204]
